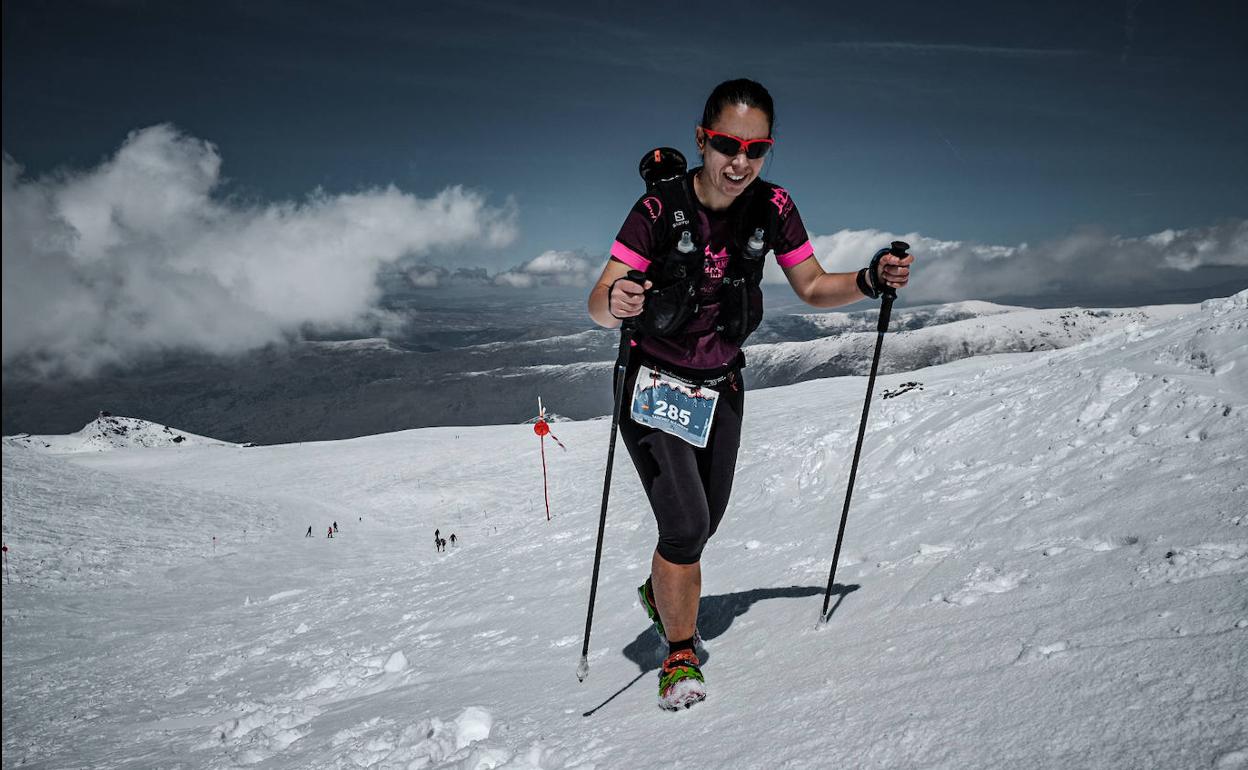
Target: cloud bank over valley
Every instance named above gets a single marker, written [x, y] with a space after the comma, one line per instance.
[138, 256]
[145, 254]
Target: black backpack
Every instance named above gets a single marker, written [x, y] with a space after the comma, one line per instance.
[676, 267]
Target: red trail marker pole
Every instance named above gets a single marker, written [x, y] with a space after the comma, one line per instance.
[542, 429]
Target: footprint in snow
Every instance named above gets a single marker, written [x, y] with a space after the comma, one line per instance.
[1096, 546]
[1180, 565]
[460, 742]
[261, 732]
[1111, 387]
[1036, 652]
[985, 581]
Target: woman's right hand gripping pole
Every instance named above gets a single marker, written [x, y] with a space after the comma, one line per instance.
[627, 295]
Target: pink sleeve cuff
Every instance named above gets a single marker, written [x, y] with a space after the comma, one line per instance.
[629, 257]
[803, 252]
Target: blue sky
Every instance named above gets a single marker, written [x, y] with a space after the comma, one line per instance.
[1001, 122]
[1060, 151]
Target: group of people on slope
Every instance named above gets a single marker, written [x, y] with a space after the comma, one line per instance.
[330, 531]
[439, 542]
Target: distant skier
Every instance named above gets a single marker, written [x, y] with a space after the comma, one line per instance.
[330, 533]
[335, 526]
[452, 539]
[309, 531]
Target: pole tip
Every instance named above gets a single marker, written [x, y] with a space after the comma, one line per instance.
[582, 670]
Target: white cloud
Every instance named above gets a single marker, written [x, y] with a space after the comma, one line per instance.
[515, 280]
[136, 256]
[1091, 260]
[551, 268]
[427, 276]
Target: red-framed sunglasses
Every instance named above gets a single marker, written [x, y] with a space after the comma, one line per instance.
[727, 144]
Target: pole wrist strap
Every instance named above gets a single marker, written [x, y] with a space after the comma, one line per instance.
[864, 284]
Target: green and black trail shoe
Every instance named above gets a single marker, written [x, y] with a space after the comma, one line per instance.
[681, 683]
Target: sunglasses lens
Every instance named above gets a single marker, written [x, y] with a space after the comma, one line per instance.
[724, 145]
[757, 150]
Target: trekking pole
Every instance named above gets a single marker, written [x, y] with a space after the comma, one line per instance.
[621, 369]
[897, 249]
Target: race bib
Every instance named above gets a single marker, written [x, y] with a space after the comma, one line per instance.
[673, 406]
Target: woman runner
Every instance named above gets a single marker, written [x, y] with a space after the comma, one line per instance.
[688, 486]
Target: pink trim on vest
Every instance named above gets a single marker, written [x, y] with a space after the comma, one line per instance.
[629, 257]
[800, 254]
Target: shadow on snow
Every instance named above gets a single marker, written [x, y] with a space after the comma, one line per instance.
[715, 616]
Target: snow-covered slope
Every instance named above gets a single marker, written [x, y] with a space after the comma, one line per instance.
[1046, 565]
[318, 391]
[980, 329]
[76, 528]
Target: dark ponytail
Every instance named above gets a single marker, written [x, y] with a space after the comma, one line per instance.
[740, 91]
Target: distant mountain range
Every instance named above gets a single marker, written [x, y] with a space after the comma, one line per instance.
[336, 389]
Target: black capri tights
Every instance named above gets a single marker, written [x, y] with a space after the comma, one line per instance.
[688, 487]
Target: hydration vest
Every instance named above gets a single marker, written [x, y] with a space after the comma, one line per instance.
[677, 266]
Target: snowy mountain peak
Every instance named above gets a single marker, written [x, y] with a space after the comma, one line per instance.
[548, 417]
[109, 431]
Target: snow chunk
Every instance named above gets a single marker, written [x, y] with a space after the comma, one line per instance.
[277, 597]
[396, 663]
[472, 725]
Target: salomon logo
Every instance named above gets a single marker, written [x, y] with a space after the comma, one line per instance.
[679, 217]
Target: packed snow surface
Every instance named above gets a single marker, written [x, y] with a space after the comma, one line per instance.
[1046, 565]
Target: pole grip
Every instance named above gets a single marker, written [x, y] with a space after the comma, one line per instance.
[898, 249]
[630, 324]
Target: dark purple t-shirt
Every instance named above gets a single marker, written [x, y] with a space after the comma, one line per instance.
[699, 346]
